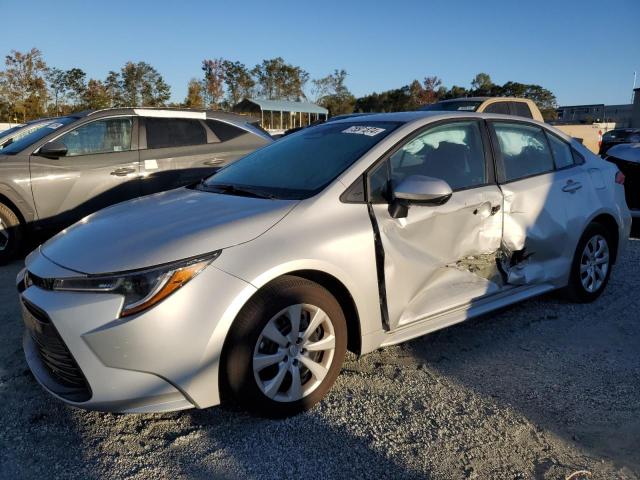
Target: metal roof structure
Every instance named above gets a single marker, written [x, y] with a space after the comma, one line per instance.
[285, 106]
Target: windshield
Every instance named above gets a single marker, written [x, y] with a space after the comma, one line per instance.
[456, 106]
[34, 136]
[9, 131]
[16, 133]
[302, 164]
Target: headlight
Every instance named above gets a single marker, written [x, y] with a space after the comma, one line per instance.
[141, 289]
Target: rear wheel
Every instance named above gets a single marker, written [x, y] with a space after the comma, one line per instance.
[10, 234]
[286, 348]
[591, 266]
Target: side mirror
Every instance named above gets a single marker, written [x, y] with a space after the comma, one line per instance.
[53, 150]
[418, 189]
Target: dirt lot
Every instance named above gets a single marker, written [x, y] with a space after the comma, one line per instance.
[540, 390]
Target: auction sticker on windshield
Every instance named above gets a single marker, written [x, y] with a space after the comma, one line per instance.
[54, 125]
[361, 130]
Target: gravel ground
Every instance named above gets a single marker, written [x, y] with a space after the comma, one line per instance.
[540, 390]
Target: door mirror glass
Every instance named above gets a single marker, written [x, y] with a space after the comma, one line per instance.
[422, 189]
[53, 150]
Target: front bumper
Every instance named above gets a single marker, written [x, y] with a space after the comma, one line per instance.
[163, 359]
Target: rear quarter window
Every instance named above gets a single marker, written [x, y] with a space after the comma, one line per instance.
[521, 109]
[225, 131]
[498, 107]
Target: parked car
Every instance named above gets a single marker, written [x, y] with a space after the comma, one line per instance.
[358, 234]
[13, 134]
[521, 107]
[626, 157]
[588, 135]
[75, 165]
[618, 136]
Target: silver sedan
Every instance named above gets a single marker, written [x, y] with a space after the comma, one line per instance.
[360, 233]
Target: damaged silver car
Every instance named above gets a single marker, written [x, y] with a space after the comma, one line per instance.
[355, 234]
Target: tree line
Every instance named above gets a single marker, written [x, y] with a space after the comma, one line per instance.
[30, 89]
[431, 89]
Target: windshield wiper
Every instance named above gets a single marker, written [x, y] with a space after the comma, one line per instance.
[236, 190]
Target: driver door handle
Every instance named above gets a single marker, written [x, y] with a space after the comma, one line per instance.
[571, 186]
[123, 172]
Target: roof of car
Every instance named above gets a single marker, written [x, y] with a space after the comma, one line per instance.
[404, 117]
[482, 99]
[168, 112]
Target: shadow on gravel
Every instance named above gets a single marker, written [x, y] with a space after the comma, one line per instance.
[573, 369]
[38, 436]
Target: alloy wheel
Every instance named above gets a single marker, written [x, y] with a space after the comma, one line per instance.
[294, 352]
[594, 263]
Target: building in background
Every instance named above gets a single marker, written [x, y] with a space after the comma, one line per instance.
[276, 116]
[596, 113]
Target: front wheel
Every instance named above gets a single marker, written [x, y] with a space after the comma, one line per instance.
[286, 348]
[591, 266]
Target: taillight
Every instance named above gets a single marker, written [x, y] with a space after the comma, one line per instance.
[619, 178]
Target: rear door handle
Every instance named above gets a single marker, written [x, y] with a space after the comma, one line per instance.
[571, 186]
[123, 172]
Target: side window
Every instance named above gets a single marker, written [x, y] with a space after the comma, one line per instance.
[561, 152]
[174, 132]
[102, 136]
[498, 107]
[521, 109]
[453, 152]
[524, 149]
[224, 131]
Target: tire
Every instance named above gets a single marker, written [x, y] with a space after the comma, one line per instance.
[10, 234]
[577, 291]
[259, 373]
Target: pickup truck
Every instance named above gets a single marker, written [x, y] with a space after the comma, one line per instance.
[589, 135]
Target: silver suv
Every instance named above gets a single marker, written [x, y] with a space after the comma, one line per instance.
[72, 166]
[359, 233]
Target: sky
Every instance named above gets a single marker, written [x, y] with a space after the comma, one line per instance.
[584, 51]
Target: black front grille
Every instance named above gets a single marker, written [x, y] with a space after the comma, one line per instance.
[67, 378]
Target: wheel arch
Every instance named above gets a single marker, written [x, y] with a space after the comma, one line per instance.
[609, 222]
[13, 207]
[344, 298]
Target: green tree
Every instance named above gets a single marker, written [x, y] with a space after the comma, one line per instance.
[58, 86]
[23, 85]
[142, 85]
[332, 93]
[482, 84]
[456, 92]
[95, 95]
[74, 80]
[114, 89]
[194, 95]
[213, 81]
[279, 80]
[238, 80]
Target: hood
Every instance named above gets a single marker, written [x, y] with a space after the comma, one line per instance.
[629, 152]
[162, 228]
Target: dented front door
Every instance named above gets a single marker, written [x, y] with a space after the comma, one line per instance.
[440, 256]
